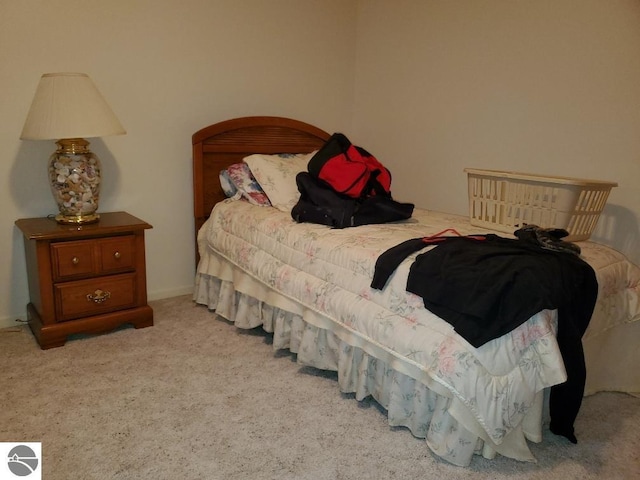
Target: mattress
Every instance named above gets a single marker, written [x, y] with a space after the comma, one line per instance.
[319, 279]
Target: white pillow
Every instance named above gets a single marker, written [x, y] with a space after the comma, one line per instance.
[276, 174]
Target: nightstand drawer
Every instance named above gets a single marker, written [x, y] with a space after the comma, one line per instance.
[117, 254]
[73, 259]
[91, 297]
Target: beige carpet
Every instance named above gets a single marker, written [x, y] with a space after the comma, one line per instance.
[195, 398]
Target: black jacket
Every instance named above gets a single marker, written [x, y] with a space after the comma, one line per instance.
[487, 287]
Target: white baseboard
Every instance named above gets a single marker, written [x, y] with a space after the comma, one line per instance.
[6, 322]
[173, 292]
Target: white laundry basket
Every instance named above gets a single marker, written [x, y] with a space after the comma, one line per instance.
[504, 201]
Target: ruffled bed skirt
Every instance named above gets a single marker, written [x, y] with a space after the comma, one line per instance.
[409, 403]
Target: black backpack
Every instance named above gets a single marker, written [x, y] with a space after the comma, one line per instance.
[319, 203]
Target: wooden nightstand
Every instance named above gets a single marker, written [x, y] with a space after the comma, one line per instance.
[85, 278]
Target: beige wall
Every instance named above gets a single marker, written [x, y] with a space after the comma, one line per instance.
[540, 86]
[429, 86]
[167, 68]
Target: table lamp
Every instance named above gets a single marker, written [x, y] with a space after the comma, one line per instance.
[68, 107]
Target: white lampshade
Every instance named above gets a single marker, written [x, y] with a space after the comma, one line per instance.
[68, 105]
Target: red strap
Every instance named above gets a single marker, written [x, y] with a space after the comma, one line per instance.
[439, 237]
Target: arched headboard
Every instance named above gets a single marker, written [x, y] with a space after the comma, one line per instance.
[222, 144]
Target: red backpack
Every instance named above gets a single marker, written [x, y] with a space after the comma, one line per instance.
[349, 170]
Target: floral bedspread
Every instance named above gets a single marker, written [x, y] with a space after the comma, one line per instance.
[327, 273]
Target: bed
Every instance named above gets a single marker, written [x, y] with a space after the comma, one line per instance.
[309, 285]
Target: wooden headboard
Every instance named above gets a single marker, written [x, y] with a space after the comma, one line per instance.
[222, 144]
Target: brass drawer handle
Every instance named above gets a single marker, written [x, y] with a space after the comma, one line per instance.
[75, 260]
[99, 296]
[117, 255]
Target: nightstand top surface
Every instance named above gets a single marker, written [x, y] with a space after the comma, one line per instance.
[45, 228]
